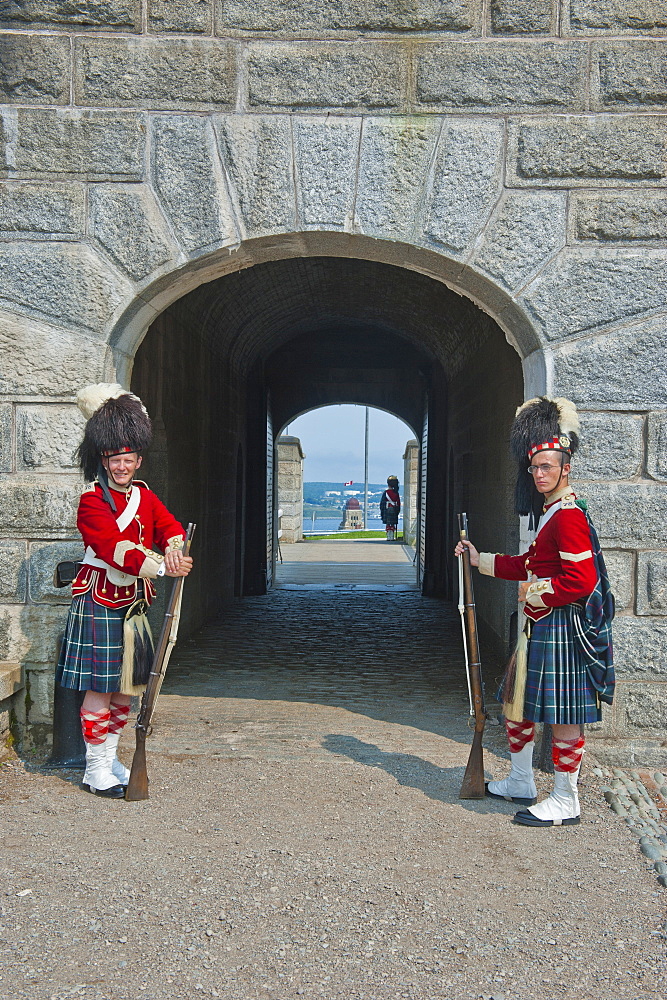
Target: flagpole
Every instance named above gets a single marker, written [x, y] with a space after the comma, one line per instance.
[366, 475]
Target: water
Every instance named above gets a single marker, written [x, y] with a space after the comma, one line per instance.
[325, 524]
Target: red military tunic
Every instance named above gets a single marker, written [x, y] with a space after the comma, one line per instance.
[561, 558]
[127, 553]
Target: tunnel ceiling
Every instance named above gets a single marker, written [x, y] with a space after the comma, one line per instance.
[250, 314]
[224, 369]
[349, 364]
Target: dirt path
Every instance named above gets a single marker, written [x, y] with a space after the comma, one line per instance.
[304, 838]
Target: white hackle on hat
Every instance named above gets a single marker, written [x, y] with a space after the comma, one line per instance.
[92, 397]
[568, 418]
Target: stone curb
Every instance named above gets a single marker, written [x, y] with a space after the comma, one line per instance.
[644, 811]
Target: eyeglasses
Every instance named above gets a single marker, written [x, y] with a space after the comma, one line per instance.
[532, 469]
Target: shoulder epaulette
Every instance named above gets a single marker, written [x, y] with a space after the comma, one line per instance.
[568, 504]
[88, 488]
[140, 482]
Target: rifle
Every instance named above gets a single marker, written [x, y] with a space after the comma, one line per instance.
[473, 779]
[137, 788]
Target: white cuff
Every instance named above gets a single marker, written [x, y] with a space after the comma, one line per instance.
[487, 563]
[535, 591]
[151, 567]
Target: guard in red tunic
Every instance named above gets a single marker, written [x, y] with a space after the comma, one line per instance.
[563, 666]
[390, 507]
[107, 649]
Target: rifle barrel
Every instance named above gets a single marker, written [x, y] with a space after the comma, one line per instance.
[473, 780]
[137, 786]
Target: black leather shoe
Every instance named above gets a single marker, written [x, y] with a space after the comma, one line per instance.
[525, 818]
[508, 798]
[115, 792]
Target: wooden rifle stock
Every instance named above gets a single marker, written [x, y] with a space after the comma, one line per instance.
[473, 779]
[137, 787]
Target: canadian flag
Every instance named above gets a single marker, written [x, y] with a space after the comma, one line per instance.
[351, 483]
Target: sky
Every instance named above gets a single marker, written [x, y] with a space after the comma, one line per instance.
[332, 438]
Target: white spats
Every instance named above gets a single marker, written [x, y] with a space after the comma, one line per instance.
[98, 777]
[561, 808]
[519, 785]
[118, 769]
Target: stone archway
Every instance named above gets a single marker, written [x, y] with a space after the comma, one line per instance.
[150, 206]
[243, 353]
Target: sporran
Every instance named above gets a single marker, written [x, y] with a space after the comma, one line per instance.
[514, 680]
[138, 649]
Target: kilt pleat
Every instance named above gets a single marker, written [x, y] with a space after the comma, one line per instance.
[92, 651]
[558, 689]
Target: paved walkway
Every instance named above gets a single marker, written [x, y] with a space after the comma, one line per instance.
[304, 837]
[372, 564]
[294, 670]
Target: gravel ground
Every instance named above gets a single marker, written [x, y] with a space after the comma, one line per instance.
[239, 879]
[304, 838]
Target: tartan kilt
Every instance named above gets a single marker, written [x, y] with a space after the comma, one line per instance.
[91, 656]
[558, 689]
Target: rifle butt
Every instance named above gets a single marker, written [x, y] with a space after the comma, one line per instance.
[137, 786]
[473, 779]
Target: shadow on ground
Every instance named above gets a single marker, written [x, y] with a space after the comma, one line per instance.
[442, 784]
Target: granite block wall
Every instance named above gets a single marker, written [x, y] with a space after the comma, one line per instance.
[513, 151]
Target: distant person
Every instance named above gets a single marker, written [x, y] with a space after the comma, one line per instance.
[390, 507]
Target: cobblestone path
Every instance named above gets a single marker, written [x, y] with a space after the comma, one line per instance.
[285, 675]
[304, 837]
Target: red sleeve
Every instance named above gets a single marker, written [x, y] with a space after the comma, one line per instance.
[510, 567]
[97, 524]
[165, 525]
[577, 577]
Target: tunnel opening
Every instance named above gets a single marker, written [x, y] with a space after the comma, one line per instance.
[228, 365]
[331, 472]
[330, 451]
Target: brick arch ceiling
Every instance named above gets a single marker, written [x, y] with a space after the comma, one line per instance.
[250, 314]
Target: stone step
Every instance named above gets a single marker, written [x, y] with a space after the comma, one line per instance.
[11, 679]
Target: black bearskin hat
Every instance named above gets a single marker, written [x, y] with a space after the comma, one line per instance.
[541, 424]
[117, 423]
